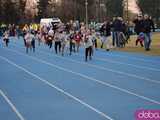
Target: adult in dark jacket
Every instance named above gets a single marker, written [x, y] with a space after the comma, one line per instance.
[148, 26]
[139, 24]
[118, 27]
[113, 32]
[105, 32]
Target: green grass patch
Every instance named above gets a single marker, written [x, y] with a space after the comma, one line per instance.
[131, 47]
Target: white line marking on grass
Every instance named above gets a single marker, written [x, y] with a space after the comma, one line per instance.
[58, 89]
[11, 105]
[90, 78]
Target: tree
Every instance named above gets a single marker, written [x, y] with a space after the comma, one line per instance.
[1, 14]
[20, 6]
[151, 7]
[114, 8]
[10, 14]
[21, 10]
[42, 8]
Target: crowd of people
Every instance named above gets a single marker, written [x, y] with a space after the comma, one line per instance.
[71, 36]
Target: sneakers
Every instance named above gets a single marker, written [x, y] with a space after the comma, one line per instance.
[148, 49]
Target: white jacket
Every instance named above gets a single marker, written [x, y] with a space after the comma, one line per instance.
[89, 42]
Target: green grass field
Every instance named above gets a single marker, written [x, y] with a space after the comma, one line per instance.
[131, 47]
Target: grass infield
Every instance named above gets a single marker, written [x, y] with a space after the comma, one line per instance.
[131, 47]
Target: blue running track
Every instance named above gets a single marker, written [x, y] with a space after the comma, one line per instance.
[46, 86]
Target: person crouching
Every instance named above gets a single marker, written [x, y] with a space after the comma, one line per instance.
[140, 39]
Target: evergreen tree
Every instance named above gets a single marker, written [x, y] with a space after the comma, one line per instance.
[150, 7]
[10, 12]
[1, 14]
[114, 8]
[21, 9]
[42, 8]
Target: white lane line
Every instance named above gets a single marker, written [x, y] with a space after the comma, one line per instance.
[130, 57]
[122, 63]
[11, 105]
[132, 65]
[103, 68]
[128, 64]
[90, 78]
[133, 58]
[57, 88]
[106, 69]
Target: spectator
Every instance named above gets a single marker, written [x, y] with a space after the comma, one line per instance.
[57, 41]
[148, 26]
[105, 33]
[118, 27]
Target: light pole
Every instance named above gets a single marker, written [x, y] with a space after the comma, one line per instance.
[127, 11]
[86, 4]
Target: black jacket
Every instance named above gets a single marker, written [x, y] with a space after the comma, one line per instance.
[118, 26]
[139, 26]
[106, 29]
[148, 25]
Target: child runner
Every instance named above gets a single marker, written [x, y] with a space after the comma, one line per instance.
[57, 40]
[77, 38]
[6, 38]
[72, 42]
[63, 41]
[39, 37]
[28, 39]
[140, 39]
[88, 46]
[94, 39]
[33, 40]
[50, 38]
